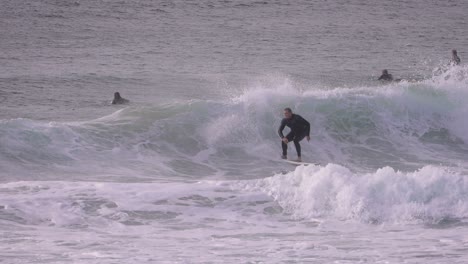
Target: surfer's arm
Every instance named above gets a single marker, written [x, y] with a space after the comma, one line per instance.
[307, 127]
[281, 128]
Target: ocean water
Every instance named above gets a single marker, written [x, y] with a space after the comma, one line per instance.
[190, 172]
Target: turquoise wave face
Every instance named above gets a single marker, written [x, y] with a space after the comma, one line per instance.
[404, 126]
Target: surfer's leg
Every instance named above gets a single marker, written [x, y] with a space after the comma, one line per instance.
[285, 149]
[298, 145]
[298, 148]
[290, 137]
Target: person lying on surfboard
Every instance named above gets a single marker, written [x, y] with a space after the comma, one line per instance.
[118, 99]
[386, 76]
[455, 59]
[300, 129]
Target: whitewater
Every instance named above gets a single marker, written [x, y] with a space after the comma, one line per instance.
[201, 180]
[190, 170]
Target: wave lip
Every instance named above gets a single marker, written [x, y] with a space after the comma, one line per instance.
[431, 194]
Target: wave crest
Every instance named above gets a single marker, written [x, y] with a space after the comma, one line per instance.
[431, 194]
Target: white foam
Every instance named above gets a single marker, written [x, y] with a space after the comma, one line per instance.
[430, 194]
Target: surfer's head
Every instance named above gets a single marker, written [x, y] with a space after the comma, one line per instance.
[454, 52]
[117, 95]
[384, 72]
[287, 112]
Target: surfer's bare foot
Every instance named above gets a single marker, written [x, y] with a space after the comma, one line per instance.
[299, 159]
[284, 157]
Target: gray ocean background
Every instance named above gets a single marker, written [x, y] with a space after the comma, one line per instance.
[189, 170]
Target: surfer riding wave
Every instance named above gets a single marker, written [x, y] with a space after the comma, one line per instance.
[300, 129]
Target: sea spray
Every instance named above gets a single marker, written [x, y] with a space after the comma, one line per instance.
[431, 194]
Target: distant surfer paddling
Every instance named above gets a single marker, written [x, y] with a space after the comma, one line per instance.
[455, 59]
[118, 99]
[300, 129]
[386, 76]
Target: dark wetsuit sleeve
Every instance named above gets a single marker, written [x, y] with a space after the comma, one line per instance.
[305, 124]
[282, 126]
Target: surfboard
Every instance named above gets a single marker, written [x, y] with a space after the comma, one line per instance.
[297, 163]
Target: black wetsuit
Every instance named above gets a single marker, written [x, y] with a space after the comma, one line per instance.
[120, 100]
[455, 60]
[300, 128]
[386, 77]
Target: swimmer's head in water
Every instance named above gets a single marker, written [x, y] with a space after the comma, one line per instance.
[287, 112]
[454, 52]
[385, 72]
[117, 95]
